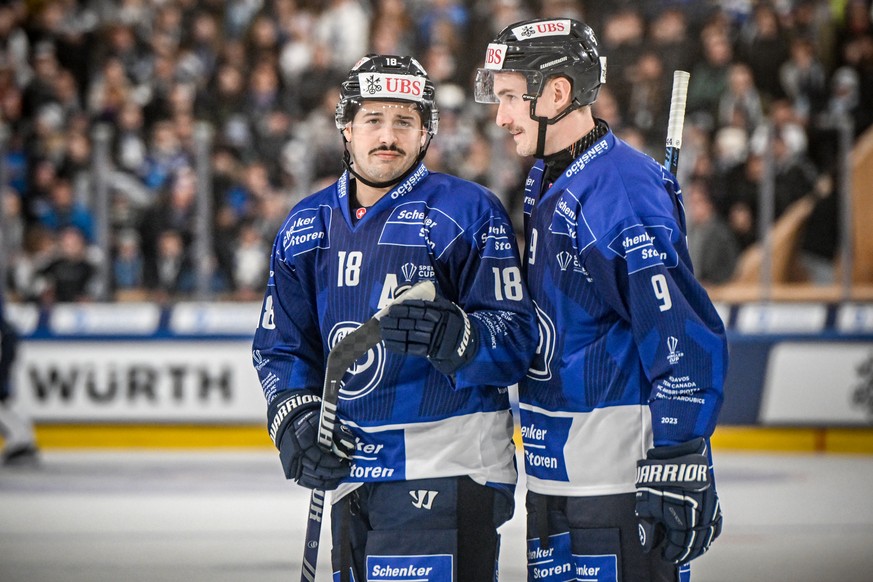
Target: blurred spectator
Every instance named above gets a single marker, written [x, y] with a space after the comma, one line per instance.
[122, 44]
[434, 14]
[669, 37]
[856, 26]
[175, 211]
[795, 174]
[811, 19]
[250, 263]
[391, 31]
[204, 44]
[109, 91]
[709, 77]
[172, 271]
[40, 89]
[297, 42]
[166, 156]
[711, 243]
[606, 108]
[222, 103]
[763, 46]
[75, 166]
[858, 55]
[649, 91]
[843, 99]
[803, 79]
[740, 106]
[63, 211]
[623, 41]
[262, 40]
[316, 78]
[71, 275]
[129, 149]
[344, 26]
[14, 44]
[127, 262]
[66, 93]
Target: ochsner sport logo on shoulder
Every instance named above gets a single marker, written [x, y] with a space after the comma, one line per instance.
[388, 86]
[545, 28]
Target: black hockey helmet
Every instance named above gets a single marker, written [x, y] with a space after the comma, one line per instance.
[541, 49]
[388, 78]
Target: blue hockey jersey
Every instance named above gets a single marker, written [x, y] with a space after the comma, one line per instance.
[329, 273]
[631, 349]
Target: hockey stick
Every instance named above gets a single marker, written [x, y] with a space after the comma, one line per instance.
[676, 121]
[345, 353]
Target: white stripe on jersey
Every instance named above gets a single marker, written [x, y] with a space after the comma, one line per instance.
[601, 452]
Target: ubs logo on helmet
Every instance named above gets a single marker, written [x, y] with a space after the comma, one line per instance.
[374, 84]
[544, 28]
[408, 87]
[494, 55]
[366, 373]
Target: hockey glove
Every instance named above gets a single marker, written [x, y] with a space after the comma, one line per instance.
[677, 504]
[294, 419]
[438, 330]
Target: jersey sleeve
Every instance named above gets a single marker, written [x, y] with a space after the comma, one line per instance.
[642, 270]
[287, 351]
[491, 290]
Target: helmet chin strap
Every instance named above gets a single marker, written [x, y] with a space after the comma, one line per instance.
[544, 122]
[347, 164]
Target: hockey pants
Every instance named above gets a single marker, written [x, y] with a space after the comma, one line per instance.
[428, 530]
[594, 539]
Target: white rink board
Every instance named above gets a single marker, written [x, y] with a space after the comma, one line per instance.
[137, 381]
[816, 383]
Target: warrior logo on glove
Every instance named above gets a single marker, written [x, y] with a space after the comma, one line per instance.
[676, 501]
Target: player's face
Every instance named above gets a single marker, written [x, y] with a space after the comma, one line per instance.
[513, 112]
[384, 139]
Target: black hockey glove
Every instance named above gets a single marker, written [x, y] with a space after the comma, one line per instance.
[438, 330]
[293, 423]
[677, 504]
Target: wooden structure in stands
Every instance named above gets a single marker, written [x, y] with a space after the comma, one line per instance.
[785, 239]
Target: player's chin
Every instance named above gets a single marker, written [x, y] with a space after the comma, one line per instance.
[523, 150]
[386, 174]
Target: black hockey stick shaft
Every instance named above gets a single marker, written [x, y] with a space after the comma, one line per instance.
[676, 121]
[345, 353]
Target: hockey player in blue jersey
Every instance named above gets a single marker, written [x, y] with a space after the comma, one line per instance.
[432, 469]
[626, 386]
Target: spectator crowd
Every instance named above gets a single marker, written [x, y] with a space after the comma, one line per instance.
[768, 78]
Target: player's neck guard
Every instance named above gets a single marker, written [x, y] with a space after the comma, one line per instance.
[559, 161]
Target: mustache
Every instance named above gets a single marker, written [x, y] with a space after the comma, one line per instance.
[391, 148]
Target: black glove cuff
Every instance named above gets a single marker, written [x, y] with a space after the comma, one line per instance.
[697, 445]
[285, 407]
